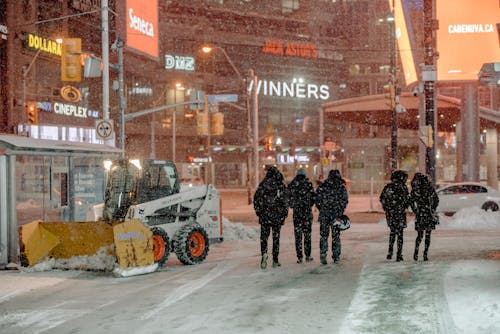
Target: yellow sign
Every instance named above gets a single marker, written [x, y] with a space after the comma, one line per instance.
[43, 44]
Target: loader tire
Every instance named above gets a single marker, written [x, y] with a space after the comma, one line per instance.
[161, 245]
[191, 244]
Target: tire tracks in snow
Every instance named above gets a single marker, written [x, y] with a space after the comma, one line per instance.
[187, 289]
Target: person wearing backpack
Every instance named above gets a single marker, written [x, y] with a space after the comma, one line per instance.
[395, 199]
[270, 203]
[331, 201]
[301, 193]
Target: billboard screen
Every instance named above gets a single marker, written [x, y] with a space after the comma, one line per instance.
[142, 26]
[466, 38]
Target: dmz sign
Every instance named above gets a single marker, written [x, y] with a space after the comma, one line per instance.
[180, 63]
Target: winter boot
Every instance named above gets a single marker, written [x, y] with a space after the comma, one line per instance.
[276, 264]
[322, 258]
[309, 259]
[399, 258]
[425, 257]
[299, 260]
[389, 256]
[415, 254]
[263, 262]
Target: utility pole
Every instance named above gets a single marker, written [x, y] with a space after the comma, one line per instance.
[105, 58]
[393, 83]
[429, 85]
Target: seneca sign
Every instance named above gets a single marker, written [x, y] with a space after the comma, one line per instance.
[142, 26]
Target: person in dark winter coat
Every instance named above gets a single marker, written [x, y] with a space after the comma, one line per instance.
[331, 201]
[301, 193]
[395, 199]
[424, 201]
[271, 206]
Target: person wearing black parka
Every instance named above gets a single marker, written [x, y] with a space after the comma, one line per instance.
[424, 201]
[301, 193]
[395, 199]
[331, 201]
[271, 206]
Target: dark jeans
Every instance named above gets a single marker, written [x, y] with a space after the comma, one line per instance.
[265, 230]
[302, 232]
[396, 232]
[420, 236]
[324, 232]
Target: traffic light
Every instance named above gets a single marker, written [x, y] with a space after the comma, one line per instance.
[71, 67]
[31, 114]
[268, 144]
[389, 94]
[217, 125]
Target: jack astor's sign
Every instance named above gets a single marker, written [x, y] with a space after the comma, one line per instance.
[280, 48]
[43, 44]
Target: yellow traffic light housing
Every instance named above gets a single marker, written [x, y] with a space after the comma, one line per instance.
[31, 114]
[71, 67]
[389, 94]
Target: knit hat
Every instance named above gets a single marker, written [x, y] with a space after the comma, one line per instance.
[301, 171]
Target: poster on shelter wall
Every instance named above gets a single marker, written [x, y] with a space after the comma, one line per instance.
[142, 26]
[467, 37]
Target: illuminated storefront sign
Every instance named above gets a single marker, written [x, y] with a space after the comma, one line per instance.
[287, 159]
[300, 90]
[280, 48]
[43, 44]
[67, 109]
[181, 63]
[142, 26]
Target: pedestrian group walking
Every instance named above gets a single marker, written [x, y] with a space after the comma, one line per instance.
[273, 198]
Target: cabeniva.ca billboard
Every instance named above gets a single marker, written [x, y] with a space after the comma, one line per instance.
[466, 38]
[142, 26]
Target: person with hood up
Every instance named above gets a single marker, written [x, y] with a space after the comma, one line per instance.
[395, 199]
[331, 201]
[271, 206]
[301, 193]
[423, 201]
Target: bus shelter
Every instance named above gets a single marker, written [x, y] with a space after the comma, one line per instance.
[47, 180]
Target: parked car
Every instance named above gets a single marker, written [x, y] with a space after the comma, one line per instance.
[455, 196]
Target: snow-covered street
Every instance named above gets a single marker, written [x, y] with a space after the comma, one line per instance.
[457, 291]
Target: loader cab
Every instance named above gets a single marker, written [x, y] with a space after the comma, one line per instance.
[159, 179]
[133, 182]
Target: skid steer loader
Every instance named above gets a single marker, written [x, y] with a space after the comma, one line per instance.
[147, 214]
[182, 219]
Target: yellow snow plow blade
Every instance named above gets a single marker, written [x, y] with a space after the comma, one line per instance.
[132, 241]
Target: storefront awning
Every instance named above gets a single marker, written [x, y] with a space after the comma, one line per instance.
[373, 110]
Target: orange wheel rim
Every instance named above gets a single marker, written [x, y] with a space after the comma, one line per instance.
[196, 244]
[158, 247]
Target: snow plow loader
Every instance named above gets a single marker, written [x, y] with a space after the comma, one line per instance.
[146, 215]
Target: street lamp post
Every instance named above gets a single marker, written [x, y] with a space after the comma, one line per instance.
[250, 106]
